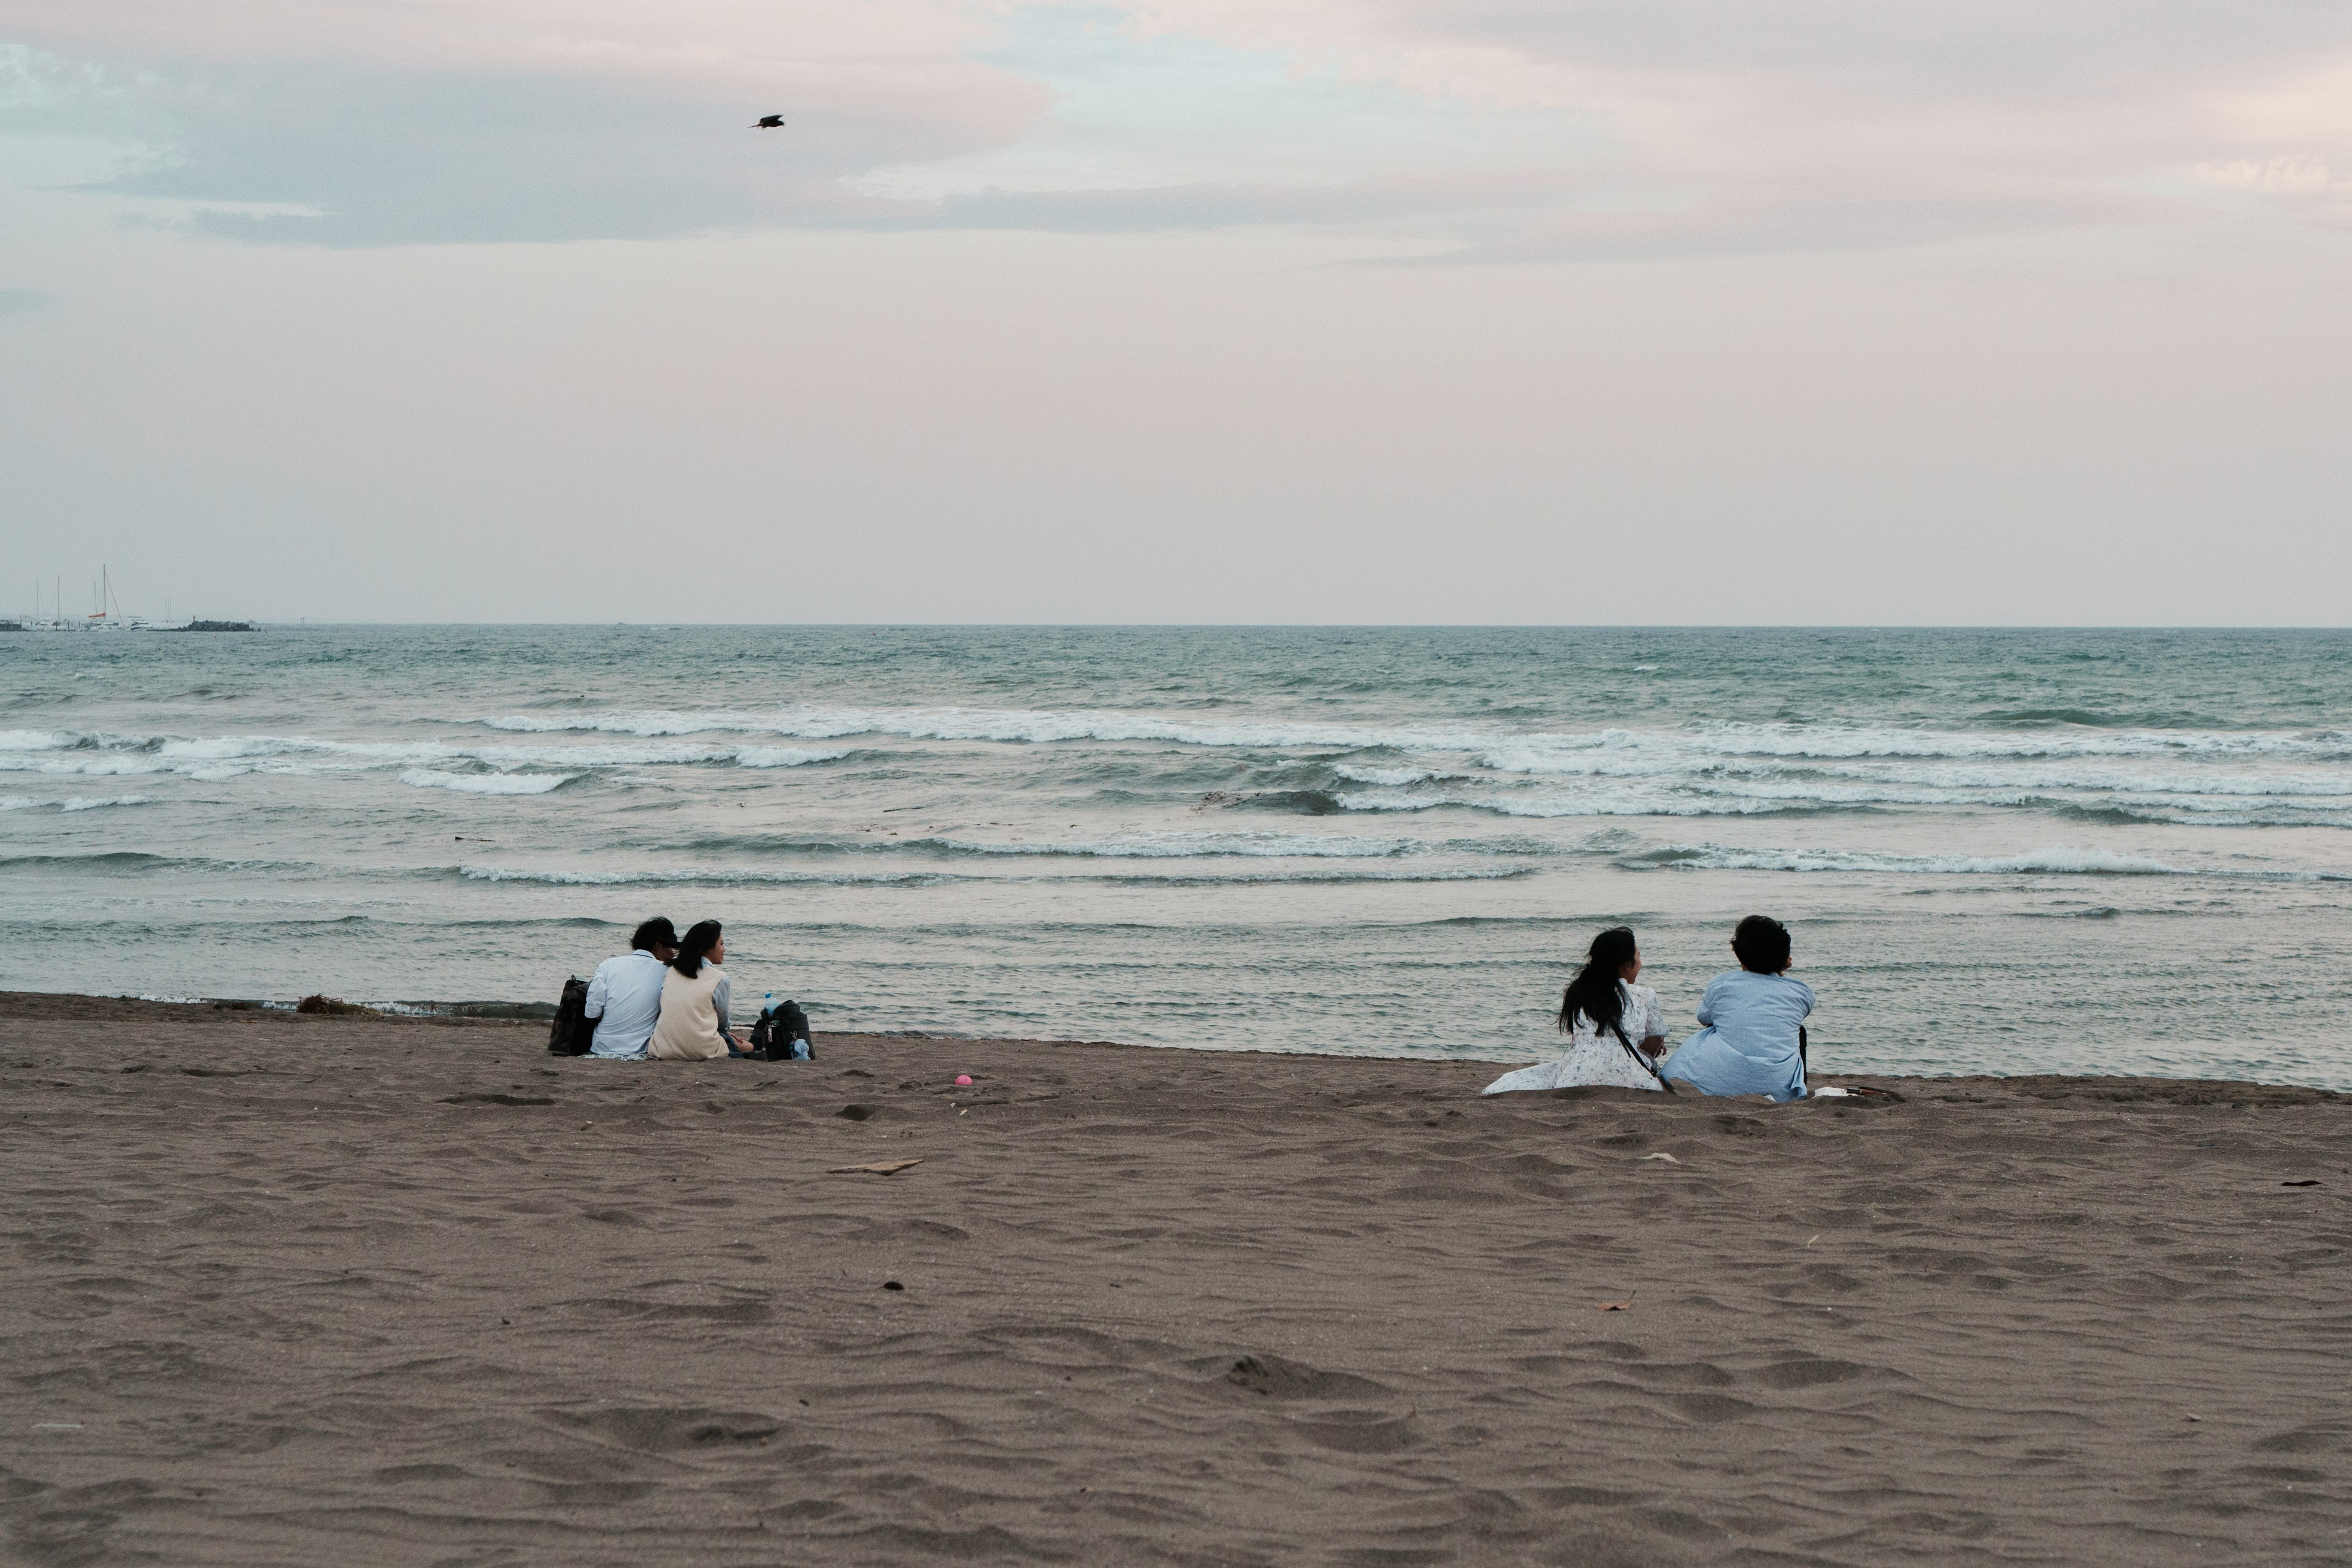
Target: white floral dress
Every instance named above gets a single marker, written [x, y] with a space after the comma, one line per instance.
[1595, 1058]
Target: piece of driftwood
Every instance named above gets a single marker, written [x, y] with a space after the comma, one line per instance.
[879, 1168]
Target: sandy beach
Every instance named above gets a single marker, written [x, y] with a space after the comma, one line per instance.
[292, 1290]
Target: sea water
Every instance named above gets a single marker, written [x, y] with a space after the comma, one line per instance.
[1999, 851]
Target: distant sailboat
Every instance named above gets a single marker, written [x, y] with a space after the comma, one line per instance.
[107, 614]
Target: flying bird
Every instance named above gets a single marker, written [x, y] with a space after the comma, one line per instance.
[770, 122]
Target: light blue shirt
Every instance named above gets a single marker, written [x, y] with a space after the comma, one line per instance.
[1750, 1043]
[625, 998]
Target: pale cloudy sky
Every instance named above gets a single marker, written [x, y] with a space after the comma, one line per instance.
[1771, 311]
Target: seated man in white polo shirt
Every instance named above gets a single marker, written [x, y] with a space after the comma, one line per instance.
[625, 998]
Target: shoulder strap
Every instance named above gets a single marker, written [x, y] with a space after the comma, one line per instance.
[1635, 1051]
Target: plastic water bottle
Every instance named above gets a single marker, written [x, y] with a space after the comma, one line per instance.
[768, 1006]
[799, 1050]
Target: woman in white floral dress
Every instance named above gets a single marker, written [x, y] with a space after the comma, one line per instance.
[1607, 1019]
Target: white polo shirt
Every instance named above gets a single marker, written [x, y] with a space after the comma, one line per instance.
[624, 999]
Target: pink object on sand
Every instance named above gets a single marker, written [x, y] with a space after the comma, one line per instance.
[964, 1080]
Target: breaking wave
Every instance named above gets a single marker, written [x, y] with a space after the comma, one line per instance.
[713, 876]
[1029, 726]
[716, 877]
[1494, 750]
[135, 861]
[487, 783]
[2254, 778]
[1295, 878]
[228, 757]
[1168, 844]
[2057, 861]
[1701, 769]
[93, 801]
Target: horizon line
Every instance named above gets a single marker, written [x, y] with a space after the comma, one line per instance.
[674, 623]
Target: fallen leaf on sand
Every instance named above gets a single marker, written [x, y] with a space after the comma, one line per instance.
[1669, 1159]
[879, 1168]
[1624, 1306]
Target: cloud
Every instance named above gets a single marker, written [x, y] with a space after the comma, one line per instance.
[1487, 129]
[349, 156]
[1133, 111]
[1077, 129]
[366, 125]
[2289, 176]
[24, 302]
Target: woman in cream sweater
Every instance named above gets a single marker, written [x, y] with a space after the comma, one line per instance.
[693, 1026]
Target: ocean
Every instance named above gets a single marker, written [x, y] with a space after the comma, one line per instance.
[1999, 851]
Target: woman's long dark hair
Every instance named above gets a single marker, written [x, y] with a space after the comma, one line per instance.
[1594, 992]
[700, 941]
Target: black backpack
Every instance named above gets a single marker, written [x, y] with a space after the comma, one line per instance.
[574, 1031]
[774, 1032]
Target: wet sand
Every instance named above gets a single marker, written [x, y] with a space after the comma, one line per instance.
[280, 1289]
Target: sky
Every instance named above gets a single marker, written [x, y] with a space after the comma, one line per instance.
[1770, 312]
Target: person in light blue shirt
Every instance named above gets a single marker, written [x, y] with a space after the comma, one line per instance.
[1754, 1017]
[625, 997]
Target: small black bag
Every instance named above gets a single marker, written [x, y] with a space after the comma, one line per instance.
[574, 1031]
[775, 1030]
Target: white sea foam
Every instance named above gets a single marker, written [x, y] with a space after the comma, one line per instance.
[1608, 749]
[575, 878]
[17, 803]
[1839, 741]
[487, 783]
[2302, 780]
[1692, 800]
[1174, 877]
[595, 756]
[631, 723]
[1636, 751]
[1392, 778]
[85, 764]
[231, 756]
[699, 878]
[397, 753]
[2062, 860]
[1152, 845]
[1701, 769]
[1180, 879]
[93, 802]
[1605, 786]
[1011, 725]
[783, 756]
